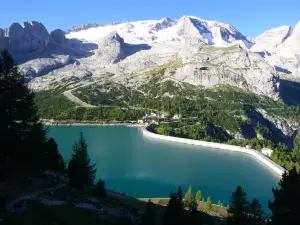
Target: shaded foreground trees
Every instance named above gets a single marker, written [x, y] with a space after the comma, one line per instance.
[23, 138]
[80, 170]
[148, 217]
[241, 212]
[286, 205]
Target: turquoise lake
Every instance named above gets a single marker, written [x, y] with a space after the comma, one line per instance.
[139, 166]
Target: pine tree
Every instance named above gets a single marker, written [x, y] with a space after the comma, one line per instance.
[285, 207]
[209, 206]
[80, 170]
[189, 200]
[238, 206]
[53, 159]
[22, 137]
[199, 196]
[255, 208]
[148, 217]
[100, 189]
[174, 213]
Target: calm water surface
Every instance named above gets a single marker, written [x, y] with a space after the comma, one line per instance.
[139, 166]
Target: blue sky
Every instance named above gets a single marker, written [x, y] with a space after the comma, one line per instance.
[249, 17]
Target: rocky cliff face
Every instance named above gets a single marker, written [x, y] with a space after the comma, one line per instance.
[235, 66]
[110, 49]
[211, 32]
[31, 37]
[282, 49]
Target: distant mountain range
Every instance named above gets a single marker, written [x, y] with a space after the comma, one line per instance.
[210, 53]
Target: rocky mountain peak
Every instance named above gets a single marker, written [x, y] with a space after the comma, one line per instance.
[81, 27]
[2, 33]
[110, 49]
[271, 39]
[162, 24]
[58, 36]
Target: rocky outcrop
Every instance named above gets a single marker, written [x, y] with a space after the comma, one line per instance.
[271, 39]
[58, 37]
[2, 33]
[38, 67]
[233, 66]
[82, 27]
[211, 32]
[162, 24]
[31, 37]
[110, 49]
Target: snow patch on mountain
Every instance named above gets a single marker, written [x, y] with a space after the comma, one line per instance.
[211, 32]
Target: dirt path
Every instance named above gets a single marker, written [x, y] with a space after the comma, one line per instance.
[33, 195]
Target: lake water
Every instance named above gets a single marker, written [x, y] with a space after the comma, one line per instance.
[142, 167]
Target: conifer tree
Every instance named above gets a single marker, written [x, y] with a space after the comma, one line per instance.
[80, 170]
[199, 196]
[22, 137]
[53, 159]
[148, 217]
[174, 213]
[255, 208]
[285, 207]
[238, 206]
[189, 200]
[209, 206]
[100, 189]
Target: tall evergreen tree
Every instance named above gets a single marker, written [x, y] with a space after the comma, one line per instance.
[238, 206]
[255, 208]
[209, 206]
[174, 214]
[22, 137]
[80, 170]
[285, 207]
[199, 196]
[53, 159]
[100, 189]
[189, 200]
[148, 217]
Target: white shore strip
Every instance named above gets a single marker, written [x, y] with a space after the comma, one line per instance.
[262, 158]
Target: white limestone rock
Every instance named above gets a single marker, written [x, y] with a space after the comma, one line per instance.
[236, 67]
[110, 49]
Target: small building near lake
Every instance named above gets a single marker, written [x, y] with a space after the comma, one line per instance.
[267, 152]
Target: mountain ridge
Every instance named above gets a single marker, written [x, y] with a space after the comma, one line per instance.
[131, 47]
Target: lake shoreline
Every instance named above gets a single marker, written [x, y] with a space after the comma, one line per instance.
[262, 158]
[87, 123]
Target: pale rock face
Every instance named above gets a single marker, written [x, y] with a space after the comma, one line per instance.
[282, 48]
[38, 67]
[237, 67]
[110, 49]
[162, 24]
[271, 39]
[191, 27]
[293, 41]
[211, 32]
